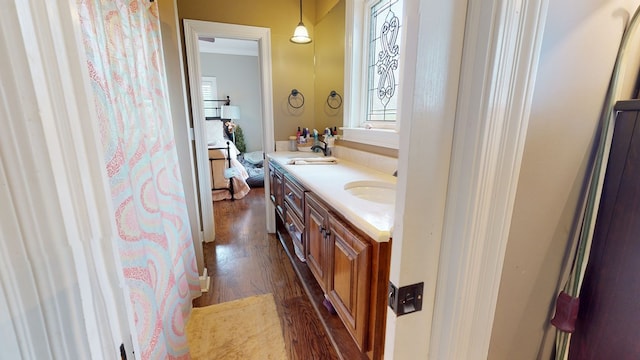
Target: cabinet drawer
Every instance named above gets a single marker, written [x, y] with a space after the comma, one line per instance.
[294, 195]
[276, 184]
[272, 175]
[296, 229]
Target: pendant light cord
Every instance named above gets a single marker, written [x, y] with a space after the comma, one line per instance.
[300, 11]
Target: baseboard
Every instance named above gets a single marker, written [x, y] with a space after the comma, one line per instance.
[205, 281]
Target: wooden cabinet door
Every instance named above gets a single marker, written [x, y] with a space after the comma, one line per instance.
[349, 281]
[315, 236]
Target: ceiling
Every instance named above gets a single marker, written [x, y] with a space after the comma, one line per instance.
[228, 46]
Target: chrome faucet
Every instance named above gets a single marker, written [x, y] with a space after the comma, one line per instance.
[320, 147]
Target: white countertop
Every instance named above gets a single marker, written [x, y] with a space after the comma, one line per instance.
[327, 182]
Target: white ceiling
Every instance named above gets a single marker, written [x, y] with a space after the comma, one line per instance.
[228, 46]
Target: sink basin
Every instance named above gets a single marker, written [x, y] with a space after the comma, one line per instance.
[375, 191]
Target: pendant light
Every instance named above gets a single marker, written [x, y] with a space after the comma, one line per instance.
[300, 34]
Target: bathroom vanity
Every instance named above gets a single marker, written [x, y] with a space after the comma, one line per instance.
[335, 221]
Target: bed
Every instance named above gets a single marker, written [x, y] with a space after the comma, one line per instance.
[253, 162]
[227, 175]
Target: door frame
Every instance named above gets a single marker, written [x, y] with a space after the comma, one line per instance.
[193, 30]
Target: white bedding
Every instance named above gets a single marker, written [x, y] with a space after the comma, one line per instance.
[218, 170]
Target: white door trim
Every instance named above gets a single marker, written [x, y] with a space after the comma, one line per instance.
[501, 52]
[193, 29]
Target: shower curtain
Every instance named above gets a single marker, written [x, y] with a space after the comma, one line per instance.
[124, 58]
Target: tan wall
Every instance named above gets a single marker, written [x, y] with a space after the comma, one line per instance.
[578, 52]
[293, 64]
[323, 7]
[329, 67]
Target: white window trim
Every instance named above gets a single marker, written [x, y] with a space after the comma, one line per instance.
[356, 21]
[389, 138]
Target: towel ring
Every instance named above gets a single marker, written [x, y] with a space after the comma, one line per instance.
[334, 100]
[297, 98]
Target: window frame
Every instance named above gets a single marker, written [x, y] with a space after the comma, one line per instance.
[355, 127]
[213, 98]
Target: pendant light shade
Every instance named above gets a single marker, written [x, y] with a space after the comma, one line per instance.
[300, 34]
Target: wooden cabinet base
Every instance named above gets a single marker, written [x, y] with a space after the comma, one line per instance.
[344, 272]
[338, 333]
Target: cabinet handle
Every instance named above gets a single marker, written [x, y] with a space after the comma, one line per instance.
[325, 232]
[291, 227]
[290, 195]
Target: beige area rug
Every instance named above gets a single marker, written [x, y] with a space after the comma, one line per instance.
[244, 329]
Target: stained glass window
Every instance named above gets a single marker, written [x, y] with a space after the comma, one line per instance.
[383, 60]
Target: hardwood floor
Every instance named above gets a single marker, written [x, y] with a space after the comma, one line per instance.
[245, 260]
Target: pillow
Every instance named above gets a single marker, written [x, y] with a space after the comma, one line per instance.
[254, 157]
[214, 131]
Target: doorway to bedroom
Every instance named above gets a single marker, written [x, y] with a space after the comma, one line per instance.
[230, 73]
[229, 69]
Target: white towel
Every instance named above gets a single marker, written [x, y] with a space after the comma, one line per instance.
[328, 160]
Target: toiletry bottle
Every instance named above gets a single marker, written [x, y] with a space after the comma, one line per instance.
[335, 131]
[298, 134]
[306, 137]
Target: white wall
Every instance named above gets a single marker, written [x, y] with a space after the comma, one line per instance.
[239, 77]
[578, 52]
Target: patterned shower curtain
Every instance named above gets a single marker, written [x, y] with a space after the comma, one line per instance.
[124, 58]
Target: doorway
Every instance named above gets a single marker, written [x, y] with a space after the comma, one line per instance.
[194, 31]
